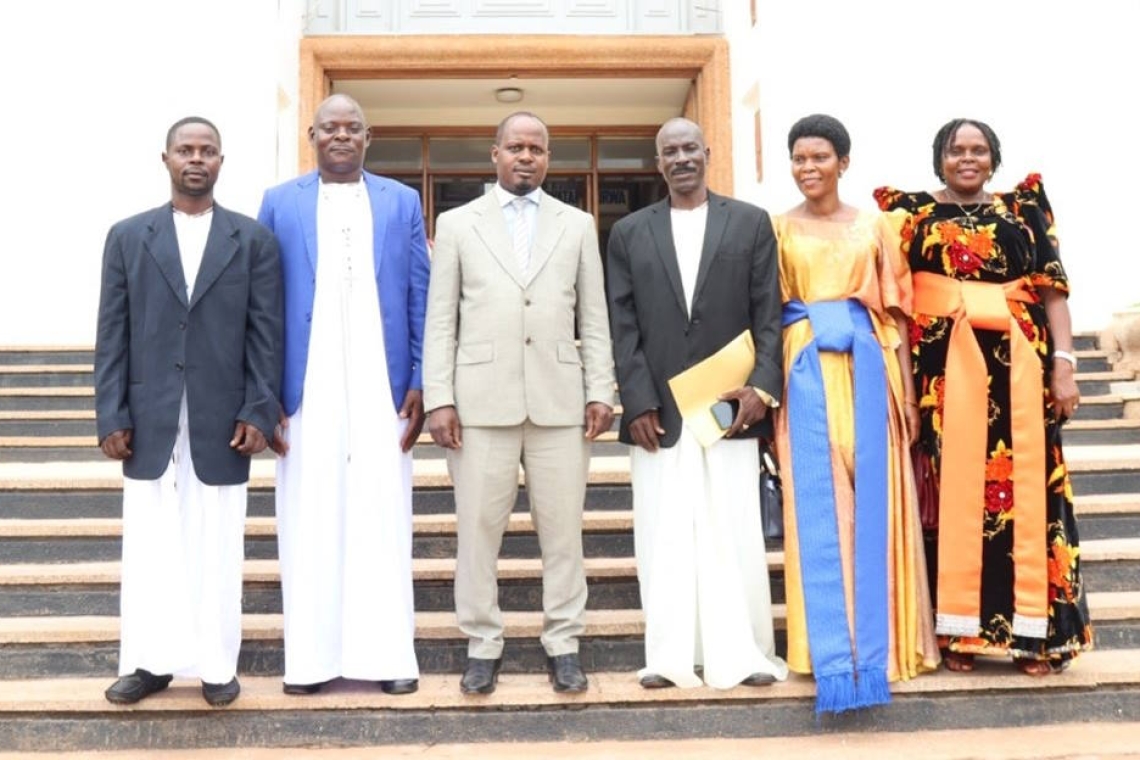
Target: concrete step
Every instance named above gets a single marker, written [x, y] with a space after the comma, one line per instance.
[1099, 383]
[440, 625]
[605, 533]
[46, 375]
[432, 473]
[36, 436]
[1093, 468]
[54, 540]
[71, 713]
[41, 447]
[84, 588]
[40, 355]
[1101, 432]
[1086, 340]
[77, 646]
[40, 399]
[1103, 407]
[58, 422]
[1114, 741]
[1093, 360]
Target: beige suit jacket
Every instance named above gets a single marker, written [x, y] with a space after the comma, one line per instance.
[500, 346]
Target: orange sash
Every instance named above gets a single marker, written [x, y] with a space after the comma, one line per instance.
[962, 481]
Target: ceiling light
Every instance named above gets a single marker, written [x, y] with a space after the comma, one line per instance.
[509, 94]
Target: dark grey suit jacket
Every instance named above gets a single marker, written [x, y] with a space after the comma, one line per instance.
[223, 347]
[737, 288]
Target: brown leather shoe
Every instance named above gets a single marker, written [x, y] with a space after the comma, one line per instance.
[133, 687]
[566, 673]
[480, 675]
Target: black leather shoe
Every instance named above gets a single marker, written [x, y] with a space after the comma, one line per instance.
[480, 675]
[400, 686]
[221, 694]
[131, 688]
[654, 681]
[759, 679]
[301, 688]
[566, 673]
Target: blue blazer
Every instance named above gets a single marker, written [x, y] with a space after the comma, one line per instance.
[400, 259]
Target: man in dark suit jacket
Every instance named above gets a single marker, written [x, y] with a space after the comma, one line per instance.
[686, 276]
[187, 371]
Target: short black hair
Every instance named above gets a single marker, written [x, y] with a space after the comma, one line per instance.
[821, 125]
[518, 115]
[949, 131]
[191, 120]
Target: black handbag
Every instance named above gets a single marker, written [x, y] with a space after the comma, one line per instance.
[771, 495]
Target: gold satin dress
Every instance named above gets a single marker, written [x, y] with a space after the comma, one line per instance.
[838, 260]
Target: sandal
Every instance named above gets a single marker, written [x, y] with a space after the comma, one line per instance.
[958, 662]
[1032, 667]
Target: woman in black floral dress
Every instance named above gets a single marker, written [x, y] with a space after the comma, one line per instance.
[993, 367]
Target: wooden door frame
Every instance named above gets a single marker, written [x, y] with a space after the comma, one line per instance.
[704, 60]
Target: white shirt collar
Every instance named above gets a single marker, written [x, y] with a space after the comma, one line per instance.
[505, 197]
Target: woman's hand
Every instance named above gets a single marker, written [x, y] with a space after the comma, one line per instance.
[913, 422]
[1063, 388]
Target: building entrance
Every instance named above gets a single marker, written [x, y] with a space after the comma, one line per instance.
[605, 172]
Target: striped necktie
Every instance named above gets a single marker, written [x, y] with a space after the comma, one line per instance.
[521, 234]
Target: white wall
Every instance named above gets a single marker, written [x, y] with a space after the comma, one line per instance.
[1057, 82]
[91, 87]
[87, 106]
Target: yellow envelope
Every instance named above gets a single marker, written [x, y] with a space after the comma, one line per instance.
[696, 389]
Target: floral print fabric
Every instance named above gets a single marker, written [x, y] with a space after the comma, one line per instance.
[1011, 237]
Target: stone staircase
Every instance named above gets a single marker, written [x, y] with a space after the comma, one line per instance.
[59, 571]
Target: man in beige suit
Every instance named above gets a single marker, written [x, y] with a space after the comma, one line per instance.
[513, 274]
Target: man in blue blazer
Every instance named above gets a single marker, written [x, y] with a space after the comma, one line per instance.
[355, 264]
[187, 366]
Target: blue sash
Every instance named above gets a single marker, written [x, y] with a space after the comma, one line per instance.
[847, 677]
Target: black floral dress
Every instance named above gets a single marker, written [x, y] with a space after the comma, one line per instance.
[1011, 237]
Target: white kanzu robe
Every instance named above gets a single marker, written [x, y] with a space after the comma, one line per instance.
[699, 542]
[344, 499]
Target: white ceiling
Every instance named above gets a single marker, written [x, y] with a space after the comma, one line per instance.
[562, 102]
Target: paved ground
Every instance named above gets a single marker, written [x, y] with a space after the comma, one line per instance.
[1083, 741]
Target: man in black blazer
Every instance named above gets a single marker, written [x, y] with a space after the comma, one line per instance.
[187, 372]
[686, 276]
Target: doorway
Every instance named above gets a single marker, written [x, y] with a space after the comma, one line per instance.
[606, 172]
[637, 61]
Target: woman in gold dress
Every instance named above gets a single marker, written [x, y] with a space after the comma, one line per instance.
[853, 540]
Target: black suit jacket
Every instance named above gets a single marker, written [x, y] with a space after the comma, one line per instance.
[223, 346]
[655, 337]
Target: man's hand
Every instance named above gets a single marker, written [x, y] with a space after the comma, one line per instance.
[599, 418]
[117, 445]
[413, 412]
[248, 440]
[443, 424]
[750, 411]
[279, 445]
[646, 430]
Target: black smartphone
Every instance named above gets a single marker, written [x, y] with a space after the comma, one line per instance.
[725, 413]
